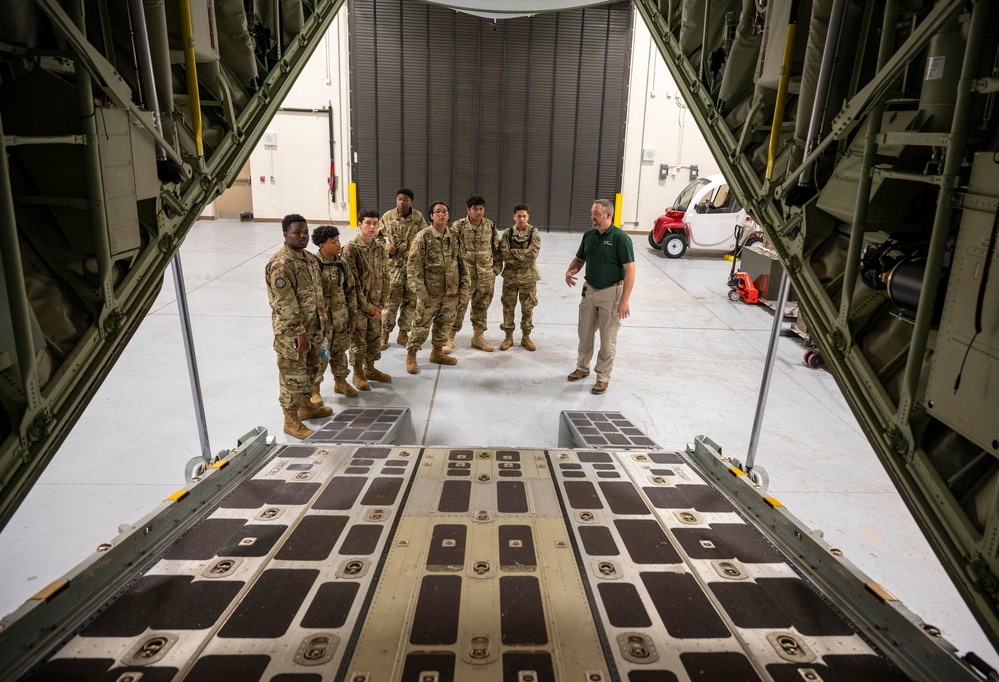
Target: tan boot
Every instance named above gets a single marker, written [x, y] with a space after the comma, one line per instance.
[316, 398]
[359, 379]
[525, 341]
[507, 342]
[384, 340]
[294, 427]
[411, 365]
[306, 410]
[375, 374]
[449, 346]
[441, 358]
[341, 386]
[478, 341]
[403, 337]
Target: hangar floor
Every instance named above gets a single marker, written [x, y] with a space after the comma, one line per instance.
[689, 362]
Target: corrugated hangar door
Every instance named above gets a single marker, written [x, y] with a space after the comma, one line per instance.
[519, 110]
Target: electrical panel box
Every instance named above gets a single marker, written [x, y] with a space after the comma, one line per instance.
[649, 154]
[693, 172]
[664, 171]
[973, 409]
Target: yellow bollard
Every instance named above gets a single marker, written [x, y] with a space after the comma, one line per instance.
[352, 203]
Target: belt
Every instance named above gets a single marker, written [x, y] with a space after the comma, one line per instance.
[618, 283]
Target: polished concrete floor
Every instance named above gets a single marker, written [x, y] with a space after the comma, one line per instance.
[689, 362]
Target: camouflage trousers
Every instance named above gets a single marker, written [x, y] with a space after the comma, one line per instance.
[297, 371]
[528, 295]
[438, 311]
[401, 301]
[337, 361]
[482, 296]
[366, 341]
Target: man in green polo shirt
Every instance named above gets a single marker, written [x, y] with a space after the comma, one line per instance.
[610, 276]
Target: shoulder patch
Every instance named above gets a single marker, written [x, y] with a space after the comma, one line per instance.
[279, 282]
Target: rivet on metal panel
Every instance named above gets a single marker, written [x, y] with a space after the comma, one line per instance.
[147, 530]
[707, 544]
[449, 542]
[594, 676]
[429, 676]
[359, 677]
[516, 543]
[105, 546]
[403, 543]
[836, 551]
[931, 630]
[246, 542]
[527, 676]
[561, 544]
[809, 674]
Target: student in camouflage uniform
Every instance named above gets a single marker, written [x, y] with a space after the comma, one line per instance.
[341, 302]
[396, 230]
[519, 247]
[438, 277]
[479, 243]
[369, 265]
[300, 321]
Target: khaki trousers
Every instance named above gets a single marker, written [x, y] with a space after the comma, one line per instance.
[598, 313]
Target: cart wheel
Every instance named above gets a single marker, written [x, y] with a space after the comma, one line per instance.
[808, 357]
[733, 295]
[816, 361]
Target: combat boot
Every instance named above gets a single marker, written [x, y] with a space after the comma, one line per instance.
[316, 398]
[341, 386]
[525, 341]
[411, 365]
[359, 380]
[441, 358]
[306, 410]
[375, 374]
[449, 346]
[478, 341]
[403, 337]
[384, 339]
[294, 427]
[507, 342]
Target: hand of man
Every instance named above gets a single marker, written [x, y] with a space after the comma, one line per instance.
[302, 343]
[351, 326]
[406, 255]
[391, 249]
[374, 312]
[623, 309]
[462, 297]
[570, 277]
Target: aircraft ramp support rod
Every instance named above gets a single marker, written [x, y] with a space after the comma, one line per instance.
[192, 361]
[768, 370]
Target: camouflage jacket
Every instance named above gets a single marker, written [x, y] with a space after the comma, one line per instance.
[435, 265]
[479, 247]
[369, 265]
[399, 232]
[519, 253]
[338, 290]
[295, 294]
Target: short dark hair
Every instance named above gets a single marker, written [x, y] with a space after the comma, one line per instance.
[521, 207]
[291, 218]
[475, 200]
[324, 233]
[369, 213]
[435, 205]
[407, 191]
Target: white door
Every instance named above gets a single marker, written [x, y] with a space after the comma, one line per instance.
[713, 218]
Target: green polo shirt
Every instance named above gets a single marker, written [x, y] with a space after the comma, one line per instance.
[605, 255]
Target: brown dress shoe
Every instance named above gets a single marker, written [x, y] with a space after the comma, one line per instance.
[577, 374]
[599, 387]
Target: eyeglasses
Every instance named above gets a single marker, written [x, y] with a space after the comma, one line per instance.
[440, 211]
